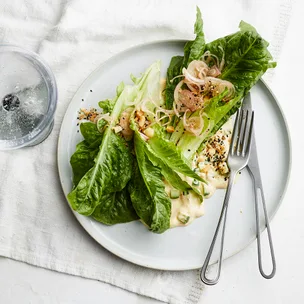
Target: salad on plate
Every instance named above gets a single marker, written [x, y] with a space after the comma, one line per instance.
[158, 149]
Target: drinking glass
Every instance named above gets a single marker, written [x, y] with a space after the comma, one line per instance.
[28, 98]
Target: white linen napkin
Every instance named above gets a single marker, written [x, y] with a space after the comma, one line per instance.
[74, 37]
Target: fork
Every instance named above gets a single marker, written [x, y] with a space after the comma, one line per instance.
[238, 157]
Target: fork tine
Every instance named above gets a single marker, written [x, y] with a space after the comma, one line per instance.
[243, 145]
[234, 136]
[249, 141]
[240, 123]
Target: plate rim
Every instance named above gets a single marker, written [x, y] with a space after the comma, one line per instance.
[114, 250]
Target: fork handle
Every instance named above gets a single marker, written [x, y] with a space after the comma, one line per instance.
[258, 232]
[222, 219]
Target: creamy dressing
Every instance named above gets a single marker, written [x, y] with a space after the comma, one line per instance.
[185, 209]
[211, 165]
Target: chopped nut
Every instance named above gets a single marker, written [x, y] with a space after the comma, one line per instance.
[139, 113]
[201, 158]
[141, 121]
[149, 132]
[117, 129]
[125, 124]
[88, 114]
[211, 151]
[170, 129]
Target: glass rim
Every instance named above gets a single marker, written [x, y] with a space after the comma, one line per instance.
[52, 96]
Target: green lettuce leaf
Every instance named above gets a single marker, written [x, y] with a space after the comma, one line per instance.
[115, 208]
[140, 196]
[83, 158]
[171, 156]
[246, 57]
[91, 134]
[111, 173]
[147, 190]
[172, 177]
[194, 50]
[174, 69]
[107, 105]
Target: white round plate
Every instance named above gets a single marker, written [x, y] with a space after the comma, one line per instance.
[184, 247]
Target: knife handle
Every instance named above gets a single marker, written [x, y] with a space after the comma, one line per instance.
[258, 232]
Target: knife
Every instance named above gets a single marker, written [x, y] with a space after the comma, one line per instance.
[254, 170]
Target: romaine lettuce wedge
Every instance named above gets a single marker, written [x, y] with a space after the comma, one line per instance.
[113, 164]
[246, 58]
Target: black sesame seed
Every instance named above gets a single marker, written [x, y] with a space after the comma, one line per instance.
[91, 90]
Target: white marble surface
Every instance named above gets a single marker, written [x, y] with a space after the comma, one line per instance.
[240, 282]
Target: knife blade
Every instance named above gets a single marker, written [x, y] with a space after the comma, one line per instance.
[254, 170]
[253, 163]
